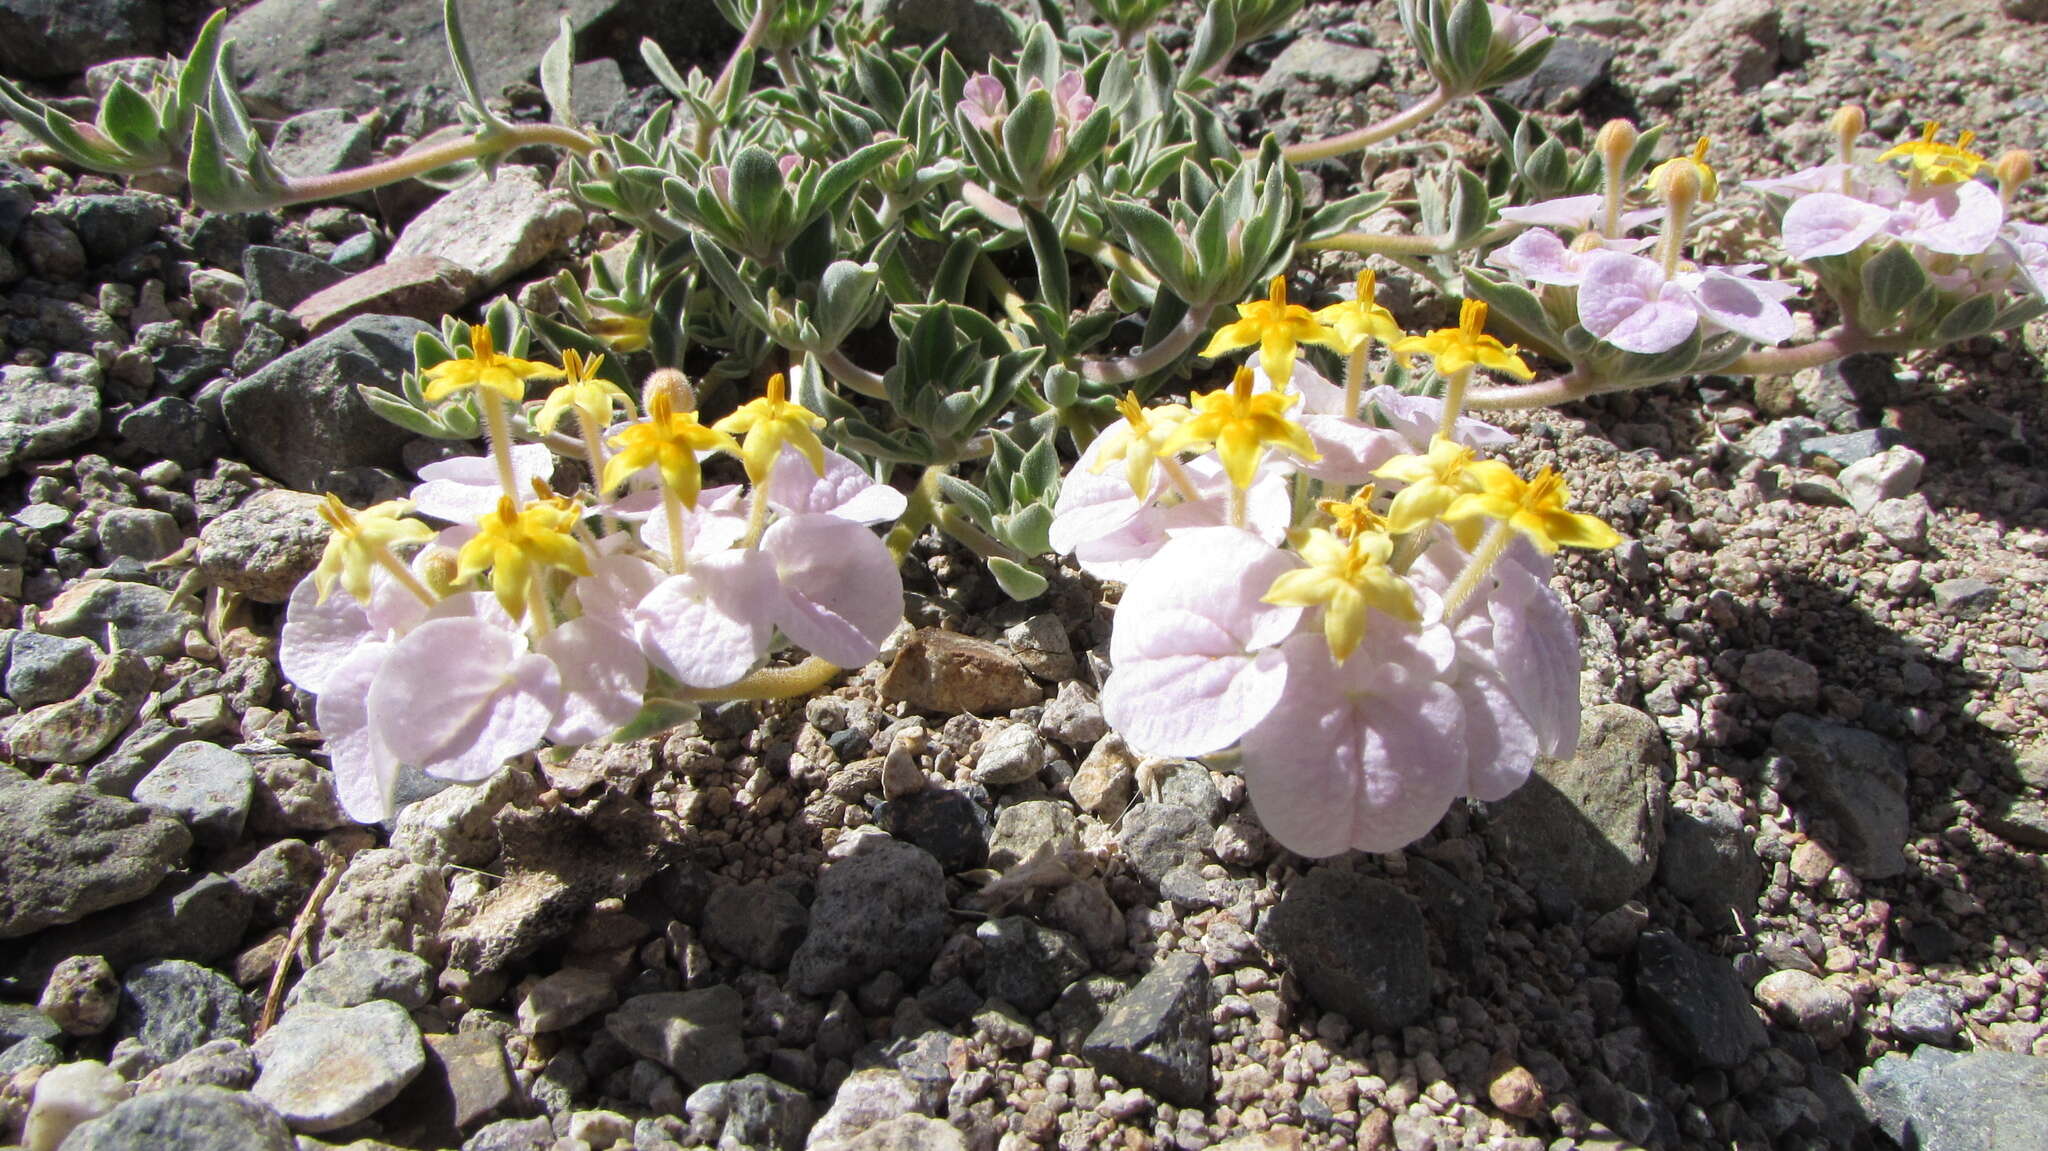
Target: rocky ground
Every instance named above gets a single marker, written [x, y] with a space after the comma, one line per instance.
[1787, 895]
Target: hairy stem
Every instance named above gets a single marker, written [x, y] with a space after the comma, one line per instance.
[852, 375]
[1124, 369]
[979, 542]
[404, 576]
[1483, 558]
[1454, 400]
[762, 683]
[302, 189]
[1371, 134]
[498, 429]
[917, 514]
[1380, 244]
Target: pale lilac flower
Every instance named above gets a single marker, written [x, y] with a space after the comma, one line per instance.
[1194, 649]
[1729, 297]
[984, 102]
[1541, 256]
[1515, 30]
[1627, 301]
[845, 490]
[460, 695]
[461, 489]
[1110, 532]
[1960, 219]
[1575, 213]
[2028, 244]
[320, 636]
[1071, 99]
[1352, 450]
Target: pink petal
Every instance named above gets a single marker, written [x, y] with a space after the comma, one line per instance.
[1090, 504]
[459, 697]
[843, 592]
[1500, 746]
[464, 488]
[845, 490]
[1417, 419]
[1743, 306]
[1192, 704]
[1537, 254]
[1830, 224]
[604, 679]
[365, 771]
[1351, 451]
[710, 625]
[1954, 219]
[616, 586]
[1624, 300]
[1574, 212]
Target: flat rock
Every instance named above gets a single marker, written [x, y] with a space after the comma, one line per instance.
[1573, 70]
[421, 287]
[1327, 64]
[1156, 1035]
[1856, 783]
[695, 1034]
[204, 786]
[493, 228]
[1027, 964]
[355, 977]
[47, 668]
[300, 417]
[1357, 944]
[942, 820]
[45, 412]
[1695, 1002]
[760, 923]
[284, 277]
[52, 39]
[67, 851]
[144, 617]
[326, 1067]
[186, 1119]
[173, 1007]
[946, 673]
[565, 998]
[262, 549]
[880, 906]
[1943, 1101]
[384, 901]
[1731, 43]
[197, 917]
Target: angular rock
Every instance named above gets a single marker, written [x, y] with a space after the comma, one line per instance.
[1023, 830]
[1888, 475]
[82, 995]
[2021, 820]
[418, 287]
[1779, 680]
[564, 999]
[456, 826]
[262, 549]
[1357, 944]
[204, 786]
[1856, 782]
[173, 429]
[1924, 1015]
[1592, 824]
[1709, 861]
[172, 1007]
[67, 851]
[326, 1067]
[285, 278]
[1731, 42]
[200, 918]
[186, 1119]
[903, 1133]
[51, 39]
[112, 226]
[277, 880]
[467, 1082]
[1326, 64]
[946, 673]
[145, 619]
[1012, 755]
[320, 143]
[942, 820]
[142, 534]
[760, 923]
[1573, 70]
[880, 906]
[300, 417]
[494, 229]
[352, 978]
[1167, 845]
[216, 1063]
[1943, 1101]
[46, 668]
[864, 1099]
[1027, 964]
[45, 412]
[1106, 780]
[384, 901]
[695, 1034]
[974, 30]
[1156, 1035]
[70, 1095]
[753, 1112]
[1695, 1002]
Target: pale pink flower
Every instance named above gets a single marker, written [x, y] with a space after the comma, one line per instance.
[1627, 301]
[462, 489]
[1958, 219]
[1575, 213]
[1539, 255]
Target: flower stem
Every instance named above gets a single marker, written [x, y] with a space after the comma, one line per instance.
[1238, 515]
[1488, 553]
[1354, 377]
[301, 189]
[1838, 344]
[1124, 369]
[917, 513]
[404, 576]
[1369, 135]
[1178, 476]
[593, 455]
[757, 515]
[1548, 393]
[762, 683]
[672, 516]
[852, 375]
[537, 608]
[1454, 401]
[979, 542]
[498, 429]
[1379, 244]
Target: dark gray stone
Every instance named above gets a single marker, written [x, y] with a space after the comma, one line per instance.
[2021, 820]
[513, 1135]
[172, 1007]
[974, 30]
[67, 851]
[1924, 1015]
[760, 923]
[1709, 862]
[1856, 784]
[29, 1053]
[1156, 1035]
[695, 1034]
[300, 417]
[1573, 70]
[942, 820]
[1850, 447]
[754, 1112]
[1165, 842]
[111, 226]
[201, 919]
[206, 787]
[320, 143]
[880, 906]
[1695, 1002]
[355, 977]
[185, 1119]
[283, 277]
[46, 668]
[142, 534]
[1943, 1101]
[19, 1021]
[1965, 596]
[327, 1067]
[1357, 944]
[172, 429]
[1027, 964]
[144, 618]
[45, 412]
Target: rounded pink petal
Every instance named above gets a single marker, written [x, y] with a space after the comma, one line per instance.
[1192, 704]
[464, 488]
[1956, 219]
[459, 697]
[845, 490]
[710, 625]
[1539, 255]
[842, 592]
[604, 679]
[365, 771]
[1625, 301]
[1744, 306]
[1829, 224]
[1500, 745]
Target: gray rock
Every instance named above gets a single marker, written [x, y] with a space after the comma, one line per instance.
[145, 619]
[695, 1034]
[1856, 782]
[173, 429]
[1902, 523]
[1780, 441]
[1924, 1015]
[880, 906]
[1357, 944]
[46, 668]
[76, 729]
[172, 1007]
[1592, 824]
[467, 1082]
[2032, 11]
[206, 787]
[216, 1063]
[1012, 755]
[947, 673]
[263, 548]
[1327, 64]
[300, 417]
[494, 228]
[457, 825]
[19, 1022]
[292, 796]
[1073, 717]
[1160, 838]
[1965, 596]
[1943, 1101]
[1800, 1000]
[353, 978]
[1156, 1035]
[283, 277]
[2021, 820]
[564, 999]
[941, 820]
[1709, 861]
[1849, 448]
[1027, 964]
[762, 924]
[75, 327]
[26, 1054]
[277, 880]
[320, 143]
[1731, 42]
[139, 533]
[67, 851]
[865, 1098]
[45, 412]
[200, 918]
[81, 996]
[1888, 475]
[421, 287]
[112, 226]
[1025, 829]
[185, 1119]
[754, 1112]
[976, 31]
[1106, 780]
[384, 900]
[48, 39]
[1573, 70]
[1695, 1002]
[1185, 783]
[515, 1135]
[326, 1067]
[1779, 680]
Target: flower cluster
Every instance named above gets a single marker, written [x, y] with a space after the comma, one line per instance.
[1376, 653]
[537, 618]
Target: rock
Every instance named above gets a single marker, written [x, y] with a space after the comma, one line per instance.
[19, 1022]
[320, 143]
[695, 1034]
[1074, 717]
[1027, 964]
[1709, 862]
[1967, 596]
[466, 1082]
[1849, 448]
[81, 995]
[1943, 1101]
[754, 1112]
[761, 924]
[1924, 1015]
[277, 880]
[1106, 780]
[263, 548]
[880, 906]
[1156, 1035]
[595, 88]
[457, 825]
[418, 287]
[1780, 441]
[1025, 829]
[1730, 42]
[1607, 19]
[326, 1067]
[48, 39]
[1695, 1002]
[864, 1099]
[1573, 70]
[946, 673]
[1167, 845]
[493, 228]
[45, 412]
[145, 619]
[976, 31]
[46, 668]
[300, 418]
[1358, 945]
[1888, 475]
[352, 978]
[943, 821]
[383, 901]
[1594, 823]
[216, 1063]
[1185, 783]
[173, 429]
[1012, 755]
[1800, 1000]
[27, 1055]
[293, 795]
[185, 1119]
[80, 727]
[1856, 782]
[2018, 820]
[1517, 1092]
[1779, 680]
[2032, 11]
[67, 851]
[1902, 523]
[283, 277]
[172, 1007]
[68, 1096]
[200, 918]
[1043, 648]
[139, 533]
[206, 787]
[1325, 64]
[903, 1133]
[113, 226]
[564, 999]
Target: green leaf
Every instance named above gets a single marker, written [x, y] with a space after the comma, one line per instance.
[212, 182]
[554, 76]
[1511, 302]
[664, 69]
[1054, 286]
[129, 120]
[1892, 280]
[1972, 317]
[844, 294]
[1018, 582]
[657, 716]
[465, 68]
[1027, 132]
[1215, 40]
[195, 79]
[1029, 530]
[1040, 471]
[969, 499]
[394, 409]
[1152, 240]
[756, 187]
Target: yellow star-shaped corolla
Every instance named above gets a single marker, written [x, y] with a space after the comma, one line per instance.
[1241, 426]
[592, 399]
[484, 368]
[1535, 508]
[513, 543]
[1938, 163]
[669, 439]
[1434, 480]
[361, 540]
[1137, 440]
[1354, 517]
[769, 422]
[1359, 320]
[1278, 328]
[1345, 578]
[1465, 346]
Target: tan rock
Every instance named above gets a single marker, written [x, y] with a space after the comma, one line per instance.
[422, 287]
[947, 673]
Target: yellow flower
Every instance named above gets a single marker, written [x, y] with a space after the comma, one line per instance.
[1535, 509]
[623, 333]
[670, 439]
[1360, 319]
[484, 368]
[1137, 440]
[1465, 346]
[1710, 181]
[1433, 480]
[514, 541]
[1939, 163]
[1354, 517]
[1345, 578]
[769, 422]
[1277, 327]
[1241, 426]
[361, 539]
[592, 399]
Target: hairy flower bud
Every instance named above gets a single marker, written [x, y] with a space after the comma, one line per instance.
[1616, 139]
[681, 396]
[1847, 124]
[2014, 166]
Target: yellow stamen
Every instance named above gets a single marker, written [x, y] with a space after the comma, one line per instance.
[1241, 426]
[1278, 328]
[770, 422]
[517, 544]
[1345, 579]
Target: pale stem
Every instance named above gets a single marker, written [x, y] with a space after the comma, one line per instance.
[762, 683]
[1675, 219]
[672, 515]
[1379, 244]
[977, 541]
[721, 86]
[917, 513]
[1237, 506]
[852, 375]
[498, 428]
[1124, 369]
[757, 514]
[302, 189]
[1367, 136]
[1546, 393]
[537, 605]
[1110, 256]
[404, 576]
[593, 455]
[1178, 476]
[1490, 549]
[1454, 401]
[1610, 218]
[1354, 377]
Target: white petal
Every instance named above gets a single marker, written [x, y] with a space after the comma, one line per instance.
[843, 593]
[1829, 224]
[459, 697]
[604, 679]
[845, 490]
[318, 638]
[1192, 704]
[710, 625]
[365, 771]
[1500, 746]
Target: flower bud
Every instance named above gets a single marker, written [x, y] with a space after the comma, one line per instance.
[2014, 167]
[1617, 138]
[1847, 124]
[681, 396]
[1678, 185]
[439, 571]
